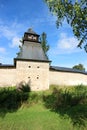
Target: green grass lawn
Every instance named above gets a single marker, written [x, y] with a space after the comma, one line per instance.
[36, 117]
[55, 109]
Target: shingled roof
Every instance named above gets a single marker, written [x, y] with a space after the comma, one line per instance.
[30, 30]
[64, 69]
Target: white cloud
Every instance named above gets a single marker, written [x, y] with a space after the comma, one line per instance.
[11, 33]
[66, 42]
[15, 42]
[7, 32]
[2, 50]
[65, 45]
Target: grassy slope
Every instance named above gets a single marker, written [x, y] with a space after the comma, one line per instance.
[35, 118]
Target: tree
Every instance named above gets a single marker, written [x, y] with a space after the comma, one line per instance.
[20, 47]
[75, 13]
[44, 44]
[79, 67]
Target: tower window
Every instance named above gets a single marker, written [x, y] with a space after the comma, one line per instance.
[37, 77]
[38, 66]
[29, 66]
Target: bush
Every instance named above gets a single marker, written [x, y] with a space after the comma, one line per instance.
[23, 86]
[66, 98]
[11, 98]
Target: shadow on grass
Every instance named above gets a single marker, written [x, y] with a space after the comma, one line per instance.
[72, 105]
[77, 114]
[11, 99]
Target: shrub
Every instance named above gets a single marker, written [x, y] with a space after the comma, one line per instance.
[23, 86]
[66, 98]
[10, 98]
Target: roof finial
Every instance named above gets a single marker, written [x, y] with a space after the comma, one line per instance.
[30, 30]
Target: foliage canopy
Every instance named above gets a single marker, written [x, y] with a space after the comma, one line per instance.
[79, 67]
[75, 13]
[44, 44]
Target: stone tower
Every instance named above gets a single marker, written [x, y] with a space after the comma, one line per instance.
[31, 47]
[32, 64]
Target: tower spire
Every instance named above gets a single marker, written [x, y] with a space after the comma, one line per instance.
[30, 35]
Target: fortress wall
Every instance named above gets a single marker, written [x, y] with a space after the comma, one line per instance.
[36, 73]
[66, 78]
[7, 77]
[32, 72]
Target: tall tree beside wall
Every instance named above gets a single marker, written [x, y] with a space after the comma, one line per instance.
[79, 67]
[44, 43]
[20, 47]
[75, 13]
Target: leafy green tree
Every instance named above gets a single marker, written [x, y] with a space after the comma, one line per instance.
[20, 47]
[75, 13]
[79, 67]
[44, 43]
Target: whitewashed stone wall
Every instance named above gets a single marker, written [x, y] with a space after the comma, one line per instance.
[38, 75]
[7, 77]
[67, 78]
[34, 73]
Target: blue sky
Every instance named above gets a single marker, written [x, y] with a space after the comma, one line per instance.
[16, 16]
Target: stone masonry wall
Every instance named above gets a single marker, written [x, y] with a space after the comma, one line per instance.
[7, 77]
[67, 78]
[34, 73]
[38, 75]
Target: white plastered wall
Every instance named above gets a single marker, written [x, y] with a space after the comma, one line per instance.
[36, 73]
[7, 77]
[66, 78]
